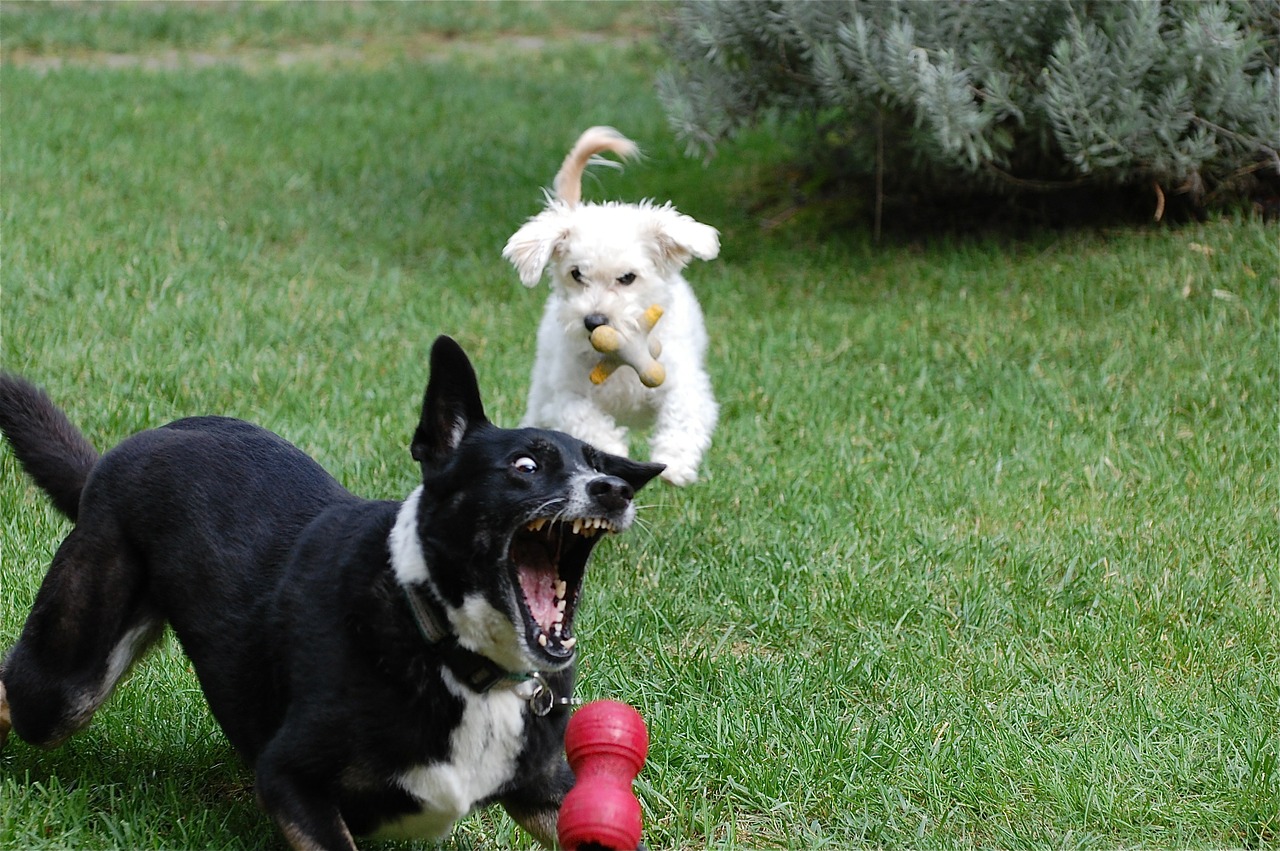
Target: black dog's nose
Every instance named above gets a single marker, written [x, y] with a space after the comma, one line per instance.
[594, 321]
[610, 492]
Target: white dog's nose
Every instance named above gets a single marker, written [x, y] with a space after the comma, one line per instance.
[594, 321]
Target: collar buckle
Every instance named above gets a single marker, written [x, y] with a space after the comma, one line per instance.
[543, 698]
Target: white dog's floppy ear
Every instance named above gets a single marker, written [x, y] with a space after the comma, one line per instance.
[529, 249]
[681, 238]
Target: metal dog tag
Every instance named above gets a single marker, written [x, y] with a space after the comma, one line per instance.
[544, 699]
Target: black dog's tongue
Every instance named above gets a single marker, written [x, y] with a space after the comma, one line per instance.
[538, 577]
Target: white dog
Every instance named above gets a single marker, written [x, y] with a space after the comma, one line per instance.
[608, 263]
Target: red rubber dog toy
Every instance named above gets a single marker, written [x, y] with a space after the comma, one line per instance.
[606, 744]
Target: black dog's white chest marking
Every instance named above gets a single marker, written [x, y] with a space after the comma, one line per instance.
[483, 750]
[485, 744]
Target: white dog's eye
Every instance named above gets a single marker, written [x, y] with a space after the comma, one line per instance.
[525, 464]
[576, 274]
[626, 279]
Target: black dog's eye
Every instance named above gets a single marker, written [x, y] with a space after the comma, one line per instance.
[626, 279]
[525, 464]
[576, 274]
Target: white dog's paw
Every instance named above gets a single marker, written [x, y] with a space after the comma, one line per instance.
[679, 474]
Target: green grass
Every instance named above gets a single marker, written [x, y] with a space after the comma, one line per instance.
[75, 29]
[987, 550]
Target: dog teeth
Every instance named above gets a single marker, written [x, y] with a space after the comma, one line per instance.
[562, 589]
[569, 642]
[542, 639]
[587, 527]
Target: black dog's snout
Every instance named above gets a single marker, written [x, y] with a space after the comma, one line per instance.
[611, 492]
[594, 321]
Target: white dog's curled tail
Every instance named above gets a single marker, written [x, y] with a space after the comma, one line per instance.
[593, 141]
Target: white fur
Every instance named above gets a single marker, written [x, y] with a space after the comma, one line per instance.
[121, 659]
[491, 632]
[407, 561]
[604, 242]
[482, 758]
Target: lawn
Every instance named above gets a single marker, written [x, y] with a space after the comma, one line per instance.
[987, 549]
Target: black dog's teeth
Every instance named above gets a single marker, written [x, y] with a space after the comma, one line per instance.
[587, 527]
[557, 626]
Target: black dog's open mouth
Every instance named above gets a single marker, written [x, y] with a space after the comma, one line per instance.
[550, 559]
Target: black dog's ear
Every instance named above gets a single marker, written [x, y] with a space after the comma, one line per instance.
[635, 473]
[451, 406]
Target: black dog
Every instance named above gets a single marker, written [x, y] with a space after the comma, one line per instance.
[385, 667]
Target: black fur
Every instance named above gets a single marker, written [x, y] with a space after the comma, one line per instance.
[283, 590]
[51, 449]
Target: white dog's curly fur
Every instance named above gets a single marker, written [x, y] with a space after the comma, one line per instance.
[610, 262]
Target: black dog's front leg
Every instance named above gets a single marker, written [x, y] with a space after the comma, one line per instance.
[539, 822]
[535, 804]
[537, 810]
[306, 813]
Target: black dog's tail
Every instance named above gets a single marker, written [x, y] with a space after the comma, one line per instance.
[51, 449]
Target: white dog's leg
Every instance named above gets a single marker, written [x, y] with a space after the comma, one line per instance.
[682, 432]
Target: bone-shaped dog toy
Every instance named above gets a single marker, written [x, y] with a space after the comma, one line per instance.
[640, 351]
